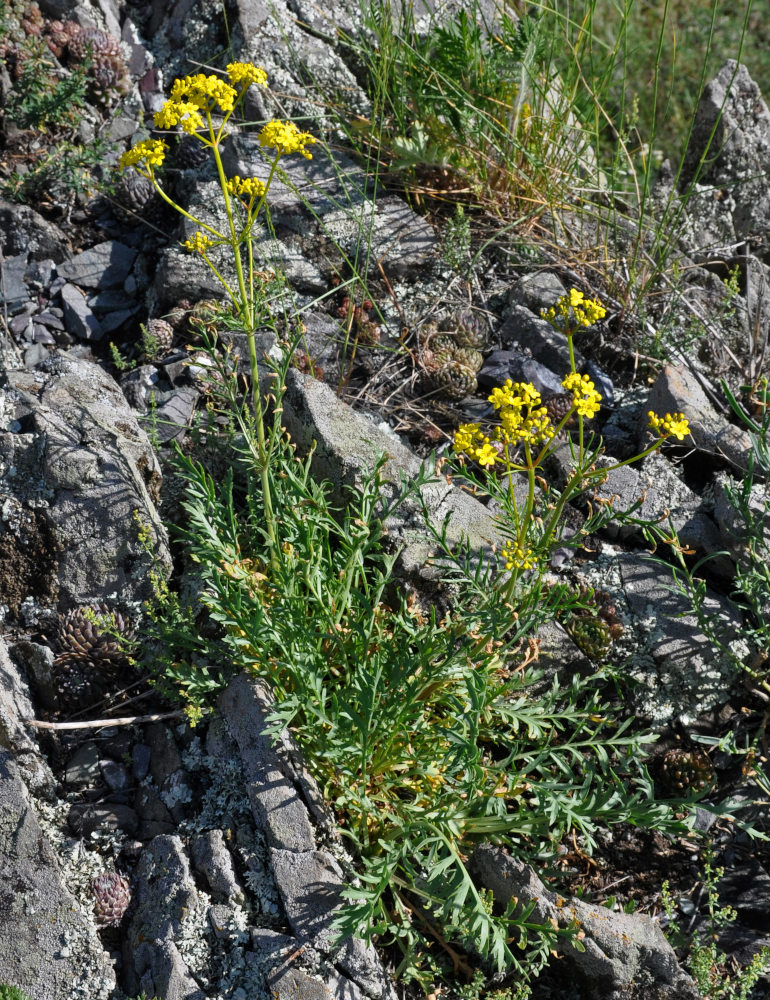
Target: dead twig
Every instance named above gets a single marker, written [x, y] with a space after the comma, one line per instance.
[129, 720]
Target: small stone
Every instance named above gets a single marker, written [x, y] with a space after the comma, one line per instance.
[85, 819]
[41, 335]
[83, 766]
[115, 775]
[140, 757]
[79, 318]
[35, 355]
[106, 265]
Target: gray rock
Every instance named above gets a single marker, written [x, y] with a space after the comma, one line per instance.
[153, 813]
[678, 674]
[311, 884]
[37, 659]
[347, 447]
[85, 818]
[112, 321]
[731, 137]
[82, 768]
[537, 291]
[15, 708]
[518, 367]
[140, 386]
[107, 265]
[35, 355]
[115, 775]
[172, 418]
[24, 230]
[164, 898]
[676, 389]
[15, 291]
[616, 948]
[548, 346]
[48, 946]
[83, 453]
[731, 522]
[140, 760]
[275, 802]
[662, 498]
[79, 319]
[213, 860]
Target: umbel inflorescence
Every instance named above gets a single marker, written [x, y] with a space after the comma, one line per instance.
[201, 105]
[528, 428]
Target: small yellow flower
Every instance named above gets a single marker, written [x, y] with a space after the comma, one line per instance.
[672, 425]
[204, 92]
[574, 307]
[486, 455]
[244, 74]
[149, 153]
[517, 557]
[249, 187]
[585, 398]
[465, 435]
[199, 243]
[285, 138]
[179, 112]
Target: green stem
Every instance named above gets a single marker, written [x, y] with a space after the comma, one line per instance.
[246, 311]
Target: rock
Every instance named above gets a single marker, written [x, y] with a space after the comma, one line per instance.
[84, 476]
[676, 671]
[37, 659]
[48, 946]
[172, 418]
[662, 498]
[277, 807]
[518, 367]
[536, 291]
[747, 889]
[140, 760]
[165, 900]
[616, 948]
[25, 231]
[213, 860]
[676, 389]
[734, 530]
[731, 138]
[79, 318]
[15, 292]
[548, 346]
[153, 813]
[311, 884]
[82, 768]
[107, 265]
[15, 708]
[115, 775]
[347, 447]
[85, 818]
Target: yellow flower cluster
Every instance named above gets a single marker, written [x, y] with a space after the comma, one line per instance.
[574, 306]
[242, 75]
[199, 243]
[471, 441]
[192, 95]
[149, 153]
[523, 420]
[248, 187]
[672, 425]
[517, 557]
[585, 398]
[285, 138]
